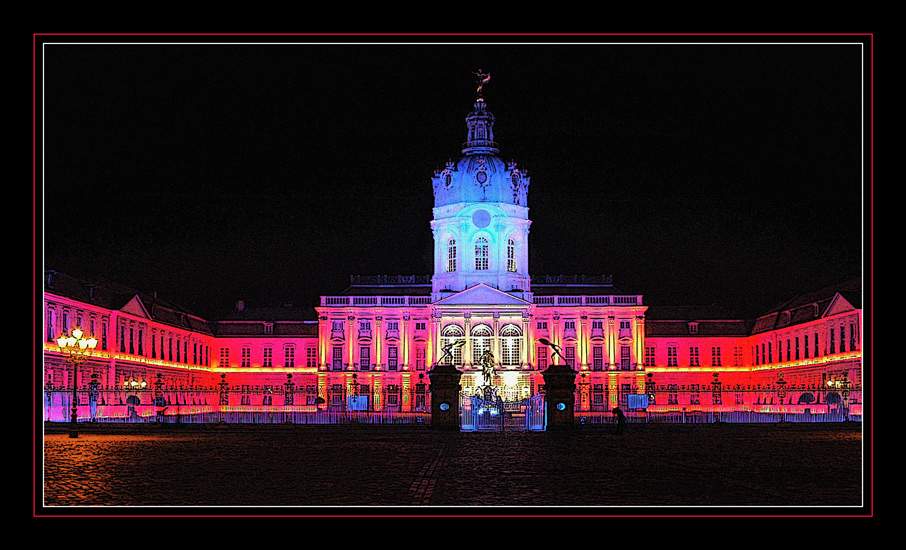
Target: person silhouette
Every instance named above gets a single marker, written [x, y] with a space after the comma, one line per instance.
[620, 419]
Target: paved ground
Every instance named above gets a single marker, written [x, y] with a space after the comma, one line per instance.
[306, 470]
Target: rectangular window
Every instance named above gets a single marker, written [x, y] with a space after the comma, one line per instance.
[420, 325]
[671, 356]
[153, 346]
[805, 345]
[816, 345]
[392, 359]
[542, 357]
[451, 255]
[420, 356]
[672, 393]
[852, 336]
[694, 398]
[832, 342]
[246, 357]
[571, 356]
[50, 331]
[649, 356]
[693, 357]
[842, 339]
[289, 356]
[224, 357]
[311, 357]
[597, 358]
[737, 356]
[796, 339]
[393, 395]
[542, 325]
[268, 359]
[624, 358]
[715, 356]
[481, 255]
[337, 358]
[365, 358]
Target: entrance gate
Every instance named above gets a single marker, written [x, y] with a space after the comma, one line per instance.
[478, 414]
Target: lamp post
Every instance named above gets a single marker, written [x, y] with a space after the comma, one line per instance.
[781, 392]
[76, 351]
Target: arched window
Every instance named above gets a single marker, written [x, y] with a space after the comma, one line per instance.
[481, 254]
[449, 335]
[451, 255]
[481, 341]
[510, 344]
[511, 256]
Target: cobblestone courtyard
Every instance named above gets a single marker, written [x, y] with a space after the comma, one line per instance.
[386, 470]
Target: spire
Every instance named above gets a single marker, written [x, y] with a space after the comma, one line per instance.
[480, 123]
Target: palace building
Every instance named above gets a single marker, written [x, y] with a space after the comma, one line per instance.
[372, 347]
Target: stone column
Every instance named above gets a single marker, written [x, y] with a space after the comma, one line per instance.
[378, 352]
[467, 348]
[560, 396]
[611, 342]
[445, 388]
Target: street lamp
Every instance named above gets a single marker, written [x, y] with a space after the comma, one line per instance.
[76, 351]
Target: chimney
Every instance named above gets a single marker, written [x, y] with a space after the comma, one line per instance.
[240, 305]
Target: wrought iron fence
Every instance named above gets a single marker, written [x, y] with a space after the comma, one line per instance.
[478, 414]
[302, 406]
[760, 405]
[214, 405]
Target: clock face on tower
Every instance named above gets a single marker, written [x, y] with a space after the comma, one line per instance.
[481, 219]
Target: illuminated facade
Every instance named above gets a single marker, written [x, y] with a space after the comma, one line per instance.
[371, 347]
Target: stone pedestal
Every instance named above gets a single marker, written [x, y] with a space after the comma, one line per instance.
[445, 388]
[560, 396]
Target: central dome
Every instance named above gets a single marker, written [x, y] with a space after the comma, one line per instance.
[480, 175]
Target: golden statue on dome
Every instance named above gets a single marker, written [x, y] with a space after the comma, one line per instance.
[483, 79]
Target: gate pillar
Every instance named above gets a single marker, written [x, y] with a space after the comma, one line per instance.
[445, 388]
[560, 396]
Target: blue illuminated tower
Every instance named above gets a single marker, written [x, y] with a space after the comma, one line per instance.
[480, 223]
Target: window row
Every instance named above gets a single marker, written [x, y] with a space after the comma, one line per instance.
[289, 359]
[392, 360]
[695, 356]
[481, 256]
[838, 339]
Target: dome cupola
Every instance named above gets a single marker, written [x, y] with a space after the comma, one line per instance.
[480, 175]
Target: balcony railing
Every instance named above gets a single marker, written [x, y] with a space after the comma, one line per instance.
[580, 300]
[371, 301]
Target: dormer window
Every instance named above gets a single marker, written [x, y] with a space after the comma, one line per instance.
[268, 328]
[693, 328]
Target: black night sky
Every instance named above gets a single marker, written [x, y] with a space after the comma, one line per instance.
[212, 170]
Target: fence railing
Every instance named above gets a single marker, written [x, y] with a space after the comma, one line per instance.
[213, 405]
